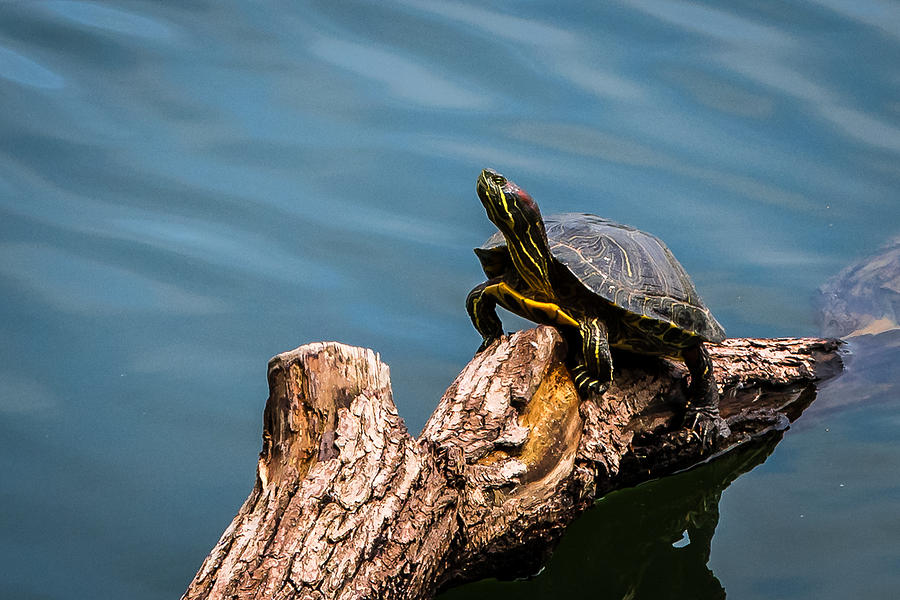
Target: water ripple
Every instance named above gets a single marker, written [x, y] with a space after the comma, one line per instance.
[565, 53]
[17, 68]
[403, 77]
[110, 19]
[603, 83]
[774, 73]
[724, 26]
[223, 246]
[499, 25]
[589, 142]
[881, 14]
[20, 395]
[717, 93]
[861, 126]
[73, 284]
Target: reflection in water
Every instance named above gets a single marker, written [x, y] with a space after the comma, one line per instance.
[649, 542]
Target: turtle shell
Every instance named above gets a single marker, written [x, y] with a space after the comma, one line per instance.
[628, 267]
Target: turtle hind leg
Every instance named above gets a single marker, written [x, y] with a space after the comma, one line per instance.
[592, 369]
[702, 413]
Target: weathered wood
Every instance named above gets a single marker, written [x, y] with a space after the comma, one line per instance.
[347, 504]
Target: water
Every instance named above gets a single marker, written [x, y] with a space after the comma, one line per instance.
[189, 188]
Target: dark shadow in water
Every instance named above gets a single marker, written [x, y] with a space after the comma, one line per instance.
[648, 542]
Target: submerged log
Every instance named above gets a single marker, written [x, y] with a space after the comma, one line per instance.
[347, 504]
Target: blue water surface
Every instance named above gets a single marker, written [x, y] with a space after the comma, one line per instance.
[188, 188]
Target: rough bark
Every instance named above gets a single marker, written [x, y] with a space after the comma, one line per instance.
[347, 504]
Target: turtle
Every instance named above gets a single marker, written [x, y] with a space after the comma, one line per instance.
[604, 285]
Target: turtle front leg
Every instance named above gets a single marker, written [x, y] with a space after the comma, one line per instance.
[702, 415]
[593, 368]
[482, 308]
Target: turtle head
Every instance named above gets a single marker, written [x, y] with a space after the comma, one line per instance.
[518, 218]
[508, 206]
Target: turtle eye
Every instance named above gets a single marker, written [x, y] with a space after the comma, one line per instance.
[498, 180]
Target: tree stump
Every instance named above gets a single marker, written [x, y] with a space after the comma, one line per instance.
[347, 504]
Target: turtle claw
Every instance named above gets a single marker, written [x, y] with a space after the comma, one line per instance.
[592, 388]
[706, 425]
[599, 388]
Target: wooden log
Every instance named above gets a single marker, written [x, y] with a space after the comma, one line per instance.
[347, 504]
